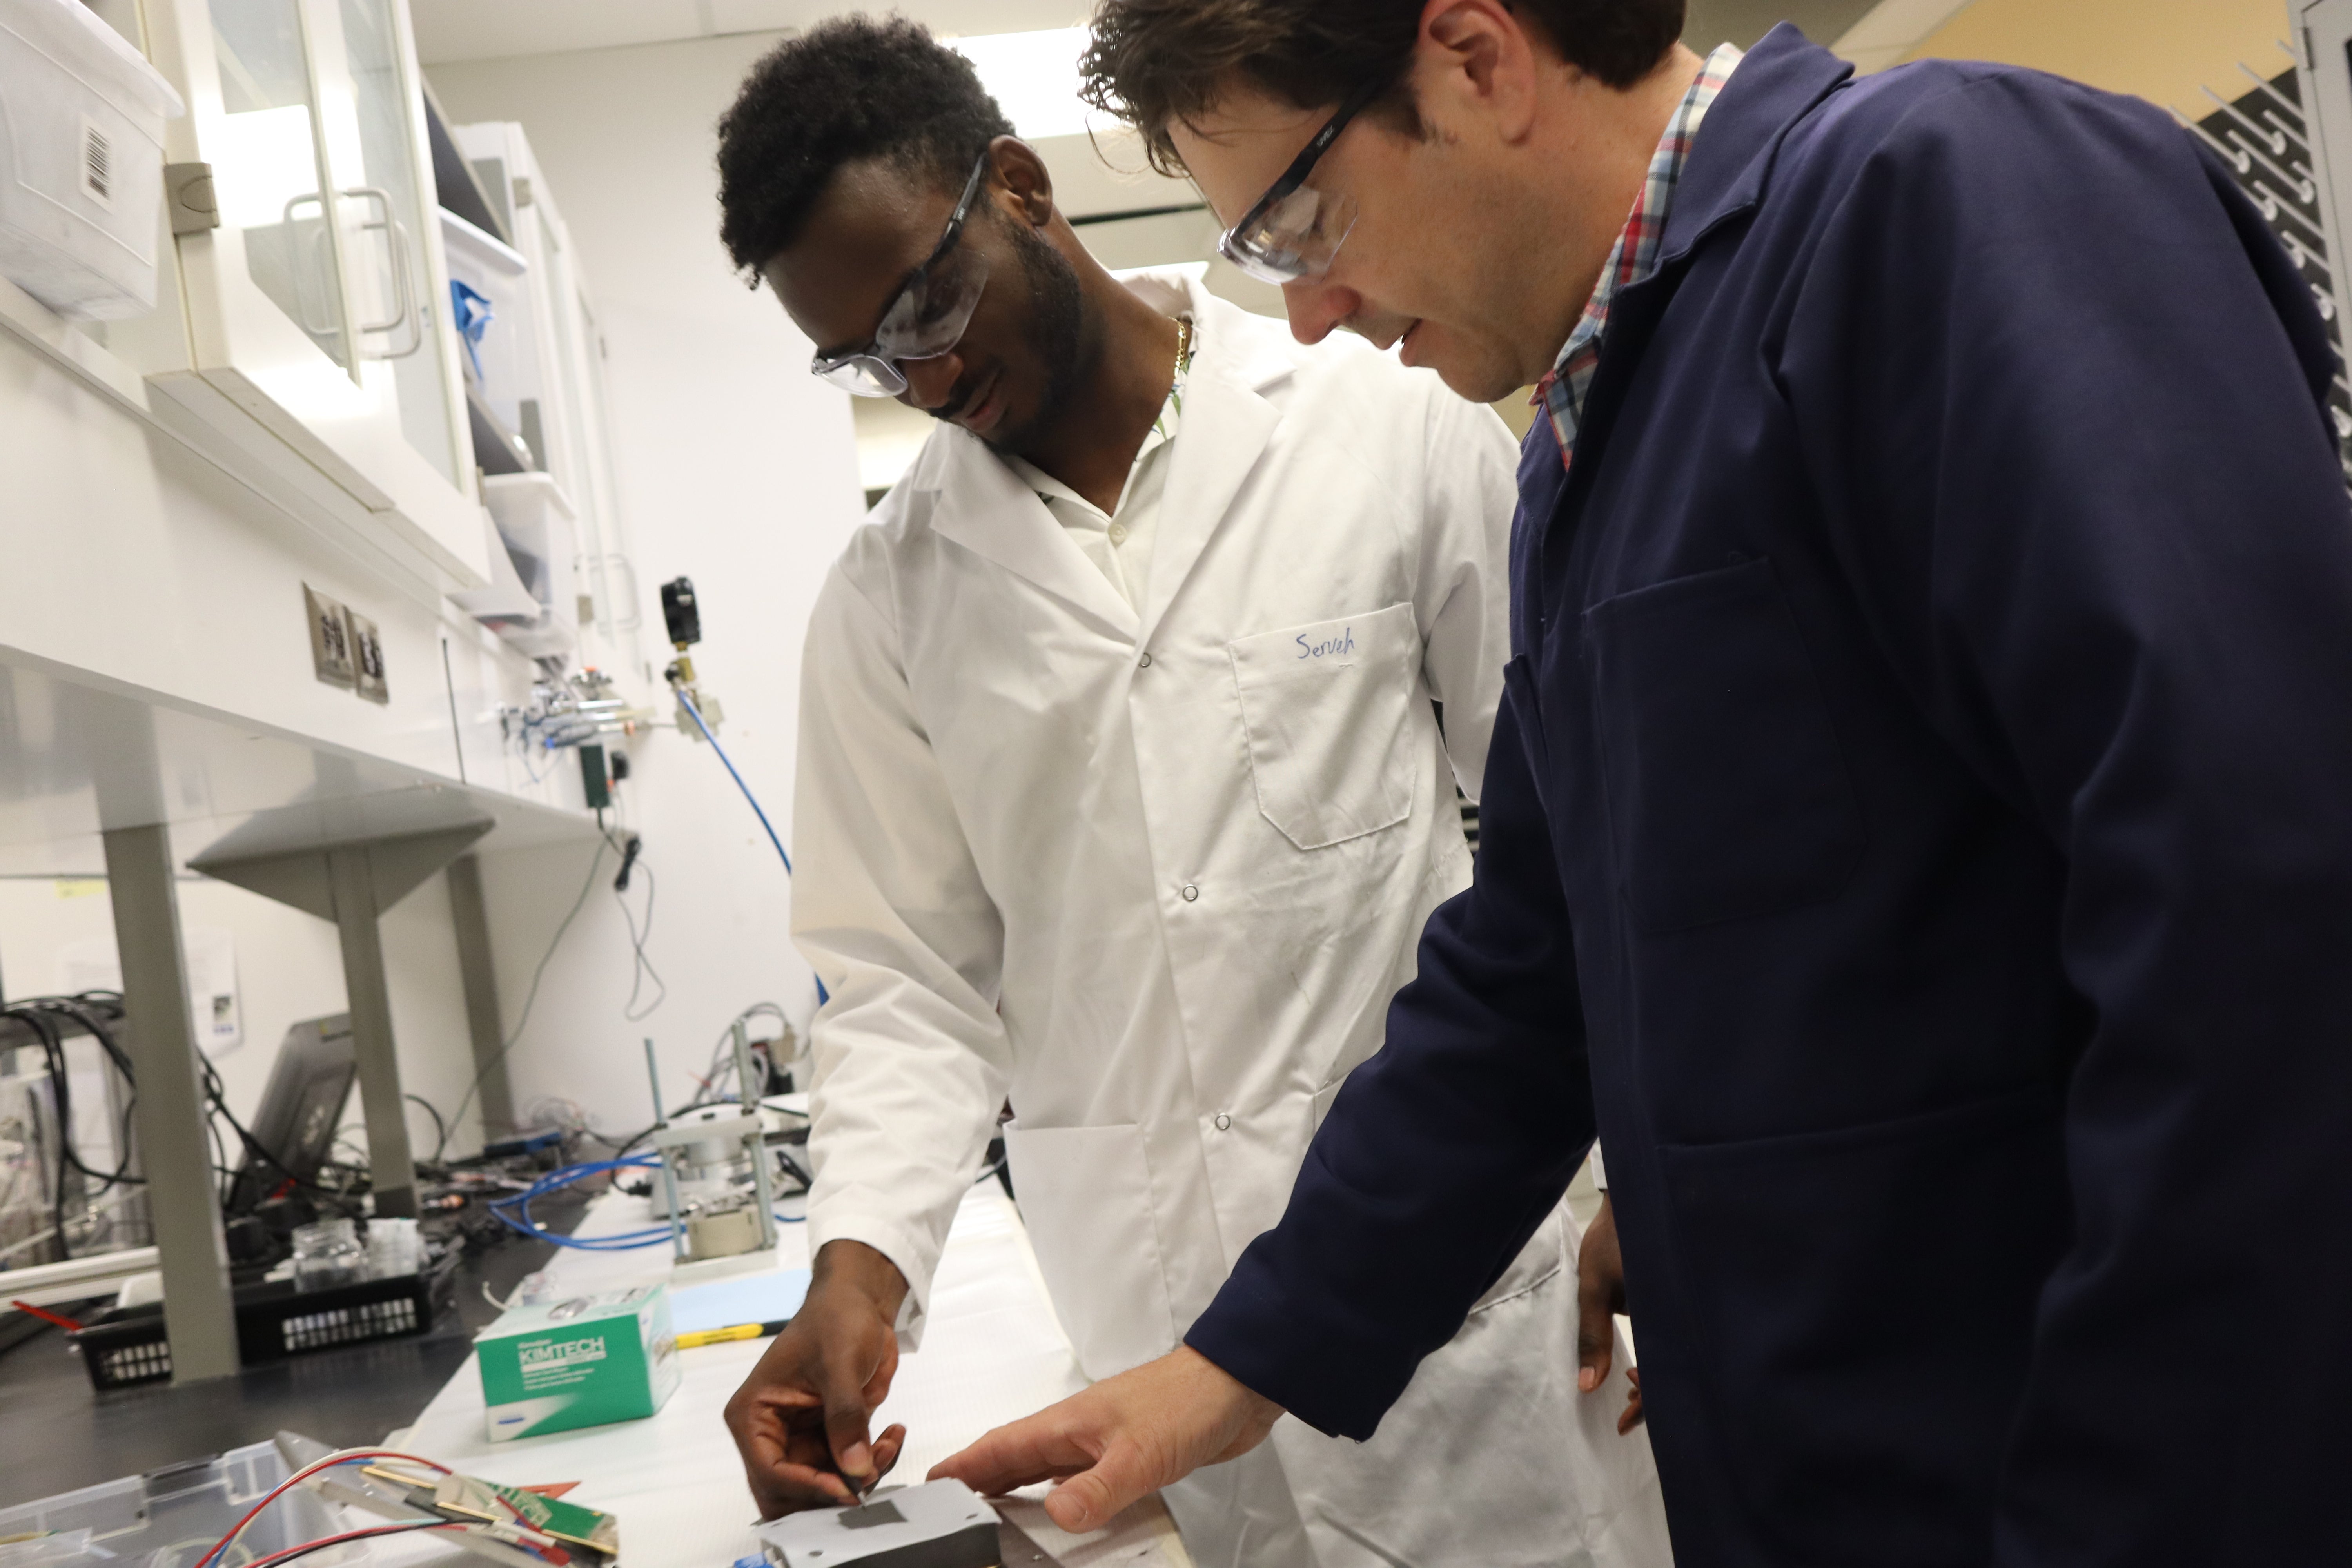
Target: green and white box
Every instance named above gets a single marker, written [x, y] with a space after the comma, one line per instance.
[578, 1363]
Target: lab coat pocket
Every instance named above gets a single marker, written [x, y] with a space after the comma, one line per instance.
[1085, 1197]
[1327, 710]
[1848, 1281]
[1727, 792]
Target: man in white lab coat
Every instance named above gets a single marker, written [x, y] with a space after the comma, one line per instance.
[1127, 780]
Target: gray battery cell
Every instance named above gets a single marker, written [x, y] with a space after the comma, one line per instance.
[940, 1524]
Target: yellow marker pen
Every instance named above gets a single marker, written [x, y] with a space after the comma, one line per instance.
[733, 1333]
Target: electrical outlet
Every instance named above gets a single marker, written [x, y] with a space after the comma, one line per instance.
[331, 640]
[367, 658]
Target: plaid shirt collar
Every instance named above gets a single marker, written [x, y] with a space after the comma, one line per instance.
[1561, 393]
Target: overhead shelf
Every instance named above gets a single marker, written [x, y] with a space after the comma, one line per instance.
[496, 449]
[461, 190]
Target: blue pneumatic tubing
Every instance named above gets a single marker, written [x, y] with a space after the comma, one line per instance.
[695, 714]
[522, 1224]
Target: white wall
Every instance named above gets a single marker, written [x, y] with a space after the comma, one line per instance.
[737, 469]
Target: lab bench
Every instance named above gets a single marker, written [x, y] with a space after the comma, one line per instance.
[992, 1351]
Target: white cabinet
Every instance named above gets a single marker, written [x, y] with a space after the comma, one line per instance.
[313, 346]
[302, 343]
[540, 370]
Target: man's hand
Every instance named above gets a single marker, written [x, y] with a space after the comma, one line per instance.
[800, 1418]
[1600, 1296]
[1122, 1440]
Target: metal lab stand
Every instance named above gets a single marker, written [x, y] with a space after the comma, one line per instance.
[677, 1141]
[174, 1152]
[352, 884]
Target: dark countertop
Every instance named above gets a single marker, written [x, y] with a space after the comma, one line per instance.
[58, 1434]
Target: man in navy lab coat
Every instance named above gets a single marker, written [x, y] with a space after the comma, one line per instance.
[1919, 831]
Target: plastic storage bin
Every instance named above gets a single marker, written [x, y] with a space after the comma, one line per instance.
[81, 161]
[503, 361]
[167, 1518]
[535, 521]
[129, 1346]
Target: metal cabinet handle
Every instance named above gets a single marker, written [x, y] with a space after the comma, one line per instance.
[403, 281]
[321, 263]
[616, 601]
[403, 278]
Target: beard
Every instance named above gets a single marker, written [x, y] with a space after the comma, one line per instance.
[1057, 318]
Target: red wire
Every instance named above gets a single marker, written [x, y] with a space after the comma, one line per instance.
[62, 1323]
[305, 1473]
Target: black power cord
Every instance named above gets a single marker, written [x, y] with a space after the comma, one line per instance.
[587, 885]
[440, 1128]
[632, 852]
[97, 1011]
[42, 1015]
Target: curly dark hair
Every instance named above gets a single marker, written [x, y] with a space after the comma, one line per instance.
[850, 88]
[1153, 63]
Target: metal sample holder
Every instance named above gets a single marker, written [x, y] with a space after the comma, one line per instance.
[703, 1152]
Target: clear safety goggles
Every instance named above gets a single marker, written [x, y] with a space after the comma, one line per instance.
[928, 317]
[1294, 230]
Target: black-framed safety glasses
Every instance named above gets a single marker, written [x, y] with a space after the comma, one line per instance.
[1294, 230]
[926, 318]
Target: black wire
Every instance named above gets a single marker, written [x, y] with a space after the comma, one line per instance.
[621, 1148]
[257, 1152]
[440, 1128]
[225, 1185]
[644, 965]
[69, 1158]
[457, 1117]
[33, 1012]
[62, 1118]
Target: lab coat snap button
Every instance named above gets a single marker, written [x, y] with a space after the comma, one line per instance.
[1143, 663]
[1224, 1123]
[1190, 892]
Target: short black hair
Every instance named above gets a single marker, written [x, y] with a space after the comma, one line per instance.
[849, 89]
[1154, 63]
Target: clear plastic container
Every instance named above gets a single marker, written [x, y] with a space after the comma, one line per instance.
[535, 520]
[168, 1518]
[327, 1254]
[395, 1249]
[67, 1549]
[81, 161]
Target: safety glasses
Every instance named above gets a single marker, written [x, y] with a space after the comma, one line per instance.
[925, 318]
[1294, 230]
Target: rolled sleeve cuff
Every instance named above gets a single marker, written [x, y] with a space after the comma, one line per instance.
[915, 1254]
[1338, 1382]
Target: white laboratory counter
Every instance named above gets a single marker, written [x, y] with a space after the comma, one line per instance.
[992, 1351]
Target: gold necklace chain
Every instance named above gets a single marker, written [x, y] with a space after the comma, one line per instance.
[1184, 344]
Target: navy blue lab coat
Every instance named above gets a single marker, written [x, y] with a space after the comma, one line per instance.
[1918, 831]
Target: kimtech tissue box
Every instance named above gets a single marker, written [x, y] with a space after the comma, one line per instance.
[578, 1363]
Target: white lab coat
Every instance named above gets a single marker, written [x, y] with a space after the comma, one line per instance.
[1154, 872]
